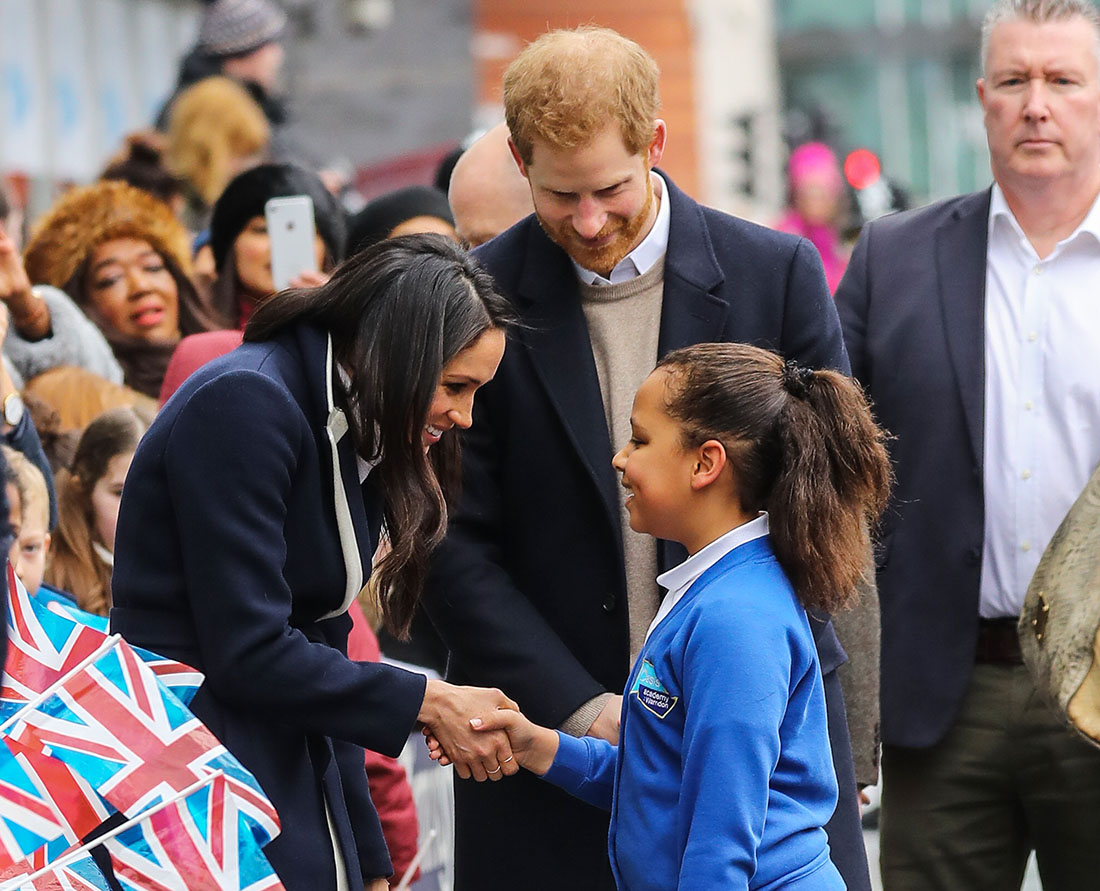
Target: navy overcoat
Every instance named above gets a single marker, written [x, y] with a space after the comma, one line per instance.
[244, 534]
[529, 589]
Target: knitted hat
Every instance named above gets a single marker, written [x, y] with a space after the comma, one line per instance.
[379, 218]
[236, 27]
[85, 217]
[248, 192]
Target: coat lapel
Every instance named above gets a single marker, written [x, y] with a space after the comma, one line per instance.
[557, 342]
[690, 312]
[338, 462]
[960, 245]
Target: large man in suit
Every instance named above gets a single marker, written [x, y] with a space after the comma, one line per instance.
[975, 327]
[541, 587]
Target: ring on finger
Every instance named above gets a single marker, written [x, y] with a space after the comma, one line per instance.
[494, 771]
[506, 760]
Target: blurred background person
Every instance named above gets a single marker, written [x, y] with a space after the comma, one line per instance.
[123, 258]
[240, 244]
[487, 192]
[408, 211]
[215, 130]
[140, 162]
[89, 494]
[816, 210]
[241, 39]
[32, 538]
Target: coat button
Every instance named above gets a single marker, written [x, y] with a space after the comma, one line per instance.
[609, 603]
[974, 556]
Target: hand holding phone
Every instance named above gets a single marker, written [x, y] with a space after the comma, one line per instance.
[292, 234]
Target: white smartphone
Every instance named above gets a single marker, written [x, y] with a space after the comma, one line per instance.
[291, 231]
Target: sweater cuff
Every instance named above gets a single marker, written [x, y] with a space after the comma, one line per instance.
[580, 722]
[570, 768]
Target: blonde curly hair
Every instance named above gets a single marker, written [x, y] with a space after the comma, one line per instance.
[213, 123]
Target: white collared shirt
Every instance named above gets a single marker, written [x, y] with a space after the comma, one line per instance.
[1042, 395]
[678, 579]
[640, 260]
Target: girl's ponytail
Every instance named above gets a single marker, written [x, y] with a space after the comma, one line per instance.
[831, 485]
[804, 447]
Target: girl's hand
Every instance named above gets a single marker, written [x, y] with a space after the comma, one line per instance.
[534, 747]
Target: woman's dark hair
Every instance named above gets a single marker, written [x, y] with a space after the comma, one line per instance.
[803, 446]
[397, 313]
[141, 164]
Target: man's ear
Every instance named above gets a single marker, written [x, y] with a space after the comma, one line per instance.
[710, 461]
[656, 148]
[515, 155]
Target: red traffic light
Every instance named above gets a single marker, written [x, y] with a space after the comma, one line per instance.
[862, 168]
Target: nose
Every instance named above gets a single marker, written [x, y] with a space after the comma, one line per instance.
[138, 279]
[589, 219]
[462, 414]
[1035, 102]
[619, 461]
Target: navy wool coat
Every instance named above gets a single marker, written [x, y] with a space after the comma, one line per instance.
[529, 589]
[230, 556]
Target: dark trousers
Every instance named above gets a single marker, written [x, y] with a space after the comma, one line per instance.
[1008, 778]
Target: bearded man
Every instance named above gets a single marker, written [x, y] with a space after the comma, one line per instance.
[542, 588]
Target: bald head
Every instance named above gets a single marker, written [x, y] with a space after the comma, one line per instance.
[488, 194]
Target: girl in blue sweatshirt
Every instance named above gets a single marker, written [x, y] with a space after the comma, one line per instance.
[769, 474]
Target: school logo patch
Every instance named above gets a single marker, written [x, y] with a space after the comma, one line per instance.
[651, 692]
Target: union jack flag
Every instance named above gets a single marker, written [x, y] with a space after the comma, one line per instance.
[198, 841]
[45, 642]
[133, 740]
[79, 874]
[44, 806]
[42, 648]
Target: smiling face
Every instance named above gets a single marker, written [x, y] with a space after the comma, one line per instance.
[1041, 99]
[655, 466]
[133, 290]
[453, 403]
[595, 202]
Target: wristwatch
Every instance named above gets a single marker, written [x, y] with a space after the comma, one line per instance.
[13, 409]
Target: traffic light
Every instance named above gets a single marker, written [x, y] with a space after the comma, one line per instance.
[744, 153]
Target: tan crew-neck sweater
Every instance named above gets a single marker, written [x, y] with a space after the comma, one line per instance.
[624, 322]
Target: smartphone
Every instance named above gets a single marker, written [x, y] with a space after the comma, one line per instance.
[291, 231]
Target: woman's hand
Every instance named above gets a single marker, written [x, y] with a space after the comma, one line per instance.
[446, 713]
[29, 314]
[308, 278]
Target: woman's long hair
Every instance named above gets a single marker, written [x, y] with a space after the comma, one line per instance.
[398, 312]
[803, 446]
[74, 565]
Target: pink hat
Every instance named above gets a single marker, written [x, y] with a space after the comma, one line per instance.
[814, 161]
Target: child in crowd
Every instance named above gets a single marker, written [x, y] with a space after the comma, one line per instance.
[769, 474]
[88, 497]
[29, 501]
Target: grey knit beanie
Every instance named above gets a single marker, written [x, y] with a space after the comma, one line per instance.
[235, 27]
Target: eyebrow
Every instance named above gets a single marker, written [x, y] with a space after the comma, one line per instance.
[110, 260]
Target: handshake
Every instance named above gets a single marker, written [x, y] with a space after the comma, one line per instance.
[483, 734]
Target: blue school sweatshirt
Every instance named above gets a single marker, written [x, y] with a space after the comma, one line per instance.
[723, 778]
